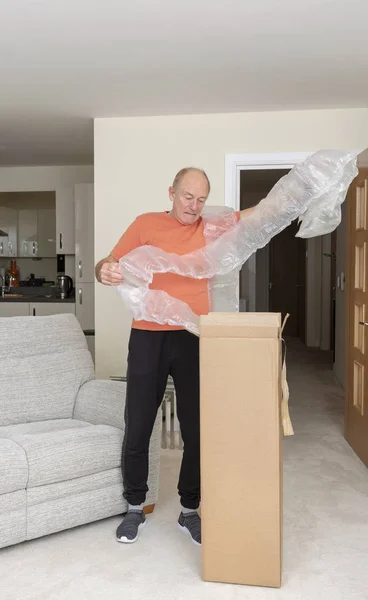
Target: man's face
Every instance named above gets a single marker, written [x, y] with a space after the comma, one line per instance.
[189, 197]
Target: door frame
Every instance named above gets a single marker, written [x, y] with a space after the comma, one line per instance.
[234, 164]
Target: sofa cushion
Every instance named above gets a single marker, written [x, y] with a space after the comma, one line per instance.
[10, 431]
[69, 453]
[13, 467]
[57, 506]
[43, 363]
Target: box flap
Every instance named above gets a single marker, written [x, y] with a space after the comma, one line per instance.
[241, 325]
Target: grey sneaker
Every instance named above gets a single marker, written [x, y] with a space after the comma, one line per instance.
[128, 530]
[191, 523]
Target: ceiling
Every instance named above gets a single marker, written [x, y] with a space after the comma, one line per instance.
[64, 62]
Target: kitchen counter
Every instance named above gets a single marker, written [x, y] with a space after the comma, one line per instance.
[34, 298]
[35, 294]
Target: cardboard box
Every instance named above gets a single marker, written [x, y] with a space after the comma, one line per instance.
[241, 458]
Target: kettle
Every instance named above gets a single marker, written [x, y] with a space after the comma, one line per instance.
[65, 286]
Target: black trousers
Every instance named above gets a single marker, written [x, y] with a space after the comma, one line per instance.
[153, 355]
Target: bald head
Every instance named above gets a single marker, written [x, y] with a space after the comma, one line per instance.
[188, 194]
[186, 171]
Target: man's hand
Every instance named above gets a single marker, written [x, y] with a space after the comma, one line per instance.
[108, 271]
[244, 213]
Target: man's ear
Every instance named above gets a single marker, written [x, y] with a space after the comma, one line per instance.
[171, 193]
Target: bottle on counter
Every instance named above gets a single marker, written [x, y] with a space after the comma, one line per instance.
[13, 274]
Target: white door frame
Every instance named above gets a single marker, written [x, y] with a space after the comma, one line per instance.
[234, 164]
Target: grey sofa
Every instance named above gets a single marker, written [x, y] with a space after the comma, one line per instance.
[60, 431]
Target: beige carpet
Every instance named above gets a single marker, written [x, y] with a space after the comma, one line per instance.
[326, 525]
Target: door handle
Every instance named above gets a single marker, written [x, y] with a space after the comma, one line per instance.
[363, 323]
[25, 248]
[80, 297]
[80, 269]
[1, 247]
[270, 285]
[61, 241]
[10, 247]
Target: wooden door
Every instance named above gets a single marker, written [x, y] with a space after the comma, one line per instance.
[356, 387]
[287, 279]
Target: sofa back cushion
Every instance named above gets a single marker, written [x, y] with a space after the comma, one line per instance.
[43, 363]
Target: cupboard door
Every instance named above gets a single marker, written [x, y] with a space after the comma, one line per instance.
[65, 221]
[27, 229]
[8, 231]
[46, 225]
[85, 305]
[14, 309]
[84, 233]
[43, 309]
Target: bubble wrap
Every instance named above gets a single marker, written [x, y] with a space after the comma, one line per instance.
[312, 192]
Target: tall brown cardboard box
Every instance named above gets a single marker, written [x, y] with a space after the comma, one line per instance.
[241, 459]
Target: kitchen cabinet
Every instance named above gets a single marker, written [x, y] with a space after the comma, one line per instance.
[85, 305]
[8, 231]
[65, 221]
[46, 232]
[84, 233]
[84, 255]
[27, 233]
[14, 309]
[43, 309]
[90, 339]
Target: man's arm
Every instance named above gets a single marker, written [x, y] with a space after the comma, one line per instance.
[107, 271]
[244, 213]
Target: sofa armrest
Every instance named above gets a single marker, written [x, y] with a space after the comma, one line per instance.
[101, 402]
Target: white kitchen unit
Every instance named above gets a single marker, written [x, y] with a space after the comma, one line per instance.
[14, 309]
[8, 226]
[85, 257]
[84, 233]
[85, 305]
[27, 233]
[65, 220]
[46, 232]
[43, 309]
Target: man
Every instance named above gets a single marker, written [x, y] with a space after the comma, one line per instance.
[156, 351]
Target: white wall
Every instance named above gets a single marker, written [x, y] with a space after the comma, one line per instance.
[136, 159]
[38, 179]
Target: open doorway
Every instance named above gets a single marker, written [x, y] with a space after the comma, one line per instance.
[274, 279]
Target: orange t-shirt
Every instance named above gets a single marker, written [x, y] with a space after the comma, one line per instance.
[165, 232]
